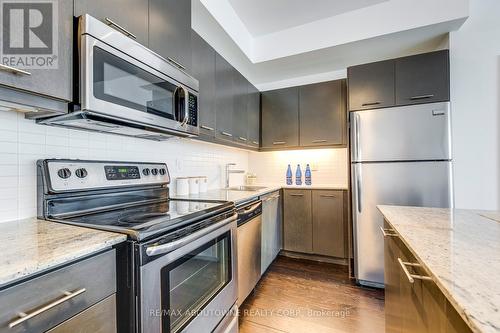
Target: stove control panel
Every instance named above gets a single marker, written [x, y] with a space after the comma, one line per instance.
[71, 175]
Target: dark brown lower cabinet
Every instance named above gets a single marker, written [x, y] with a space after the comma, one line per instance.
[314, 222]
[418, 306]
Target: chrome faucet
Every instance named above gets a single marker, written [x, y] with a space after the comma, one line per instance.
[229, 171]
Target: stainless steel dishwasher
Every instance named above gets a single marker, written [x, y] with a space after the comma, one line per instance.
[249, 247]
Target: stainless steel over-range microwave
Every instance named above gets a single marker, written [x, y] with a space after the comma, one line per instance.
[126, 88]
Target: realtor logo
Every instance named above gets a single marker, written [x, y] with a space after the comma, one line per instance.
[29, 34]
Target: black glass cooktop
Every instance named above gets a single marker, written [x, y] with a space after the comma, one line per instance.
[144, 221]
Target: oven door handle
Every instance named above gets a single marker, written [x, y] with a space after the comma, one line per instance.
[155, 250]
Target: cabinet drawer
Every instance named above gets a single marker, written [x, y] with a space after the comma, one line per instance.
[56, 296]
[99, 318]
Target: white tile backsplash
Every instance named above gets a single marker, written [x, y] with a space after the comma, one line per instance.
[23, 142]
[329, 166]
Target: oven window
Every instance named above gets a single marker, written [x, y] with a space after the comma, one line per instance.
[191, 282]
[120, 82]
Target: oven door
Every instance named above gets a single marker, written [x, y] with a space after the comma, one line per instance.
[118, 85]
[192, 288]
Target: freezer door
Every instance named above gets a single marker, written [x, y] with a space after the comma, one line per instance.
[402, 183]
[409, 133]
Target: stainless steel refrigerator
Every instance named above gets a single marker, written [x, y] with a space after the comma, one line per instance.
[399, 156]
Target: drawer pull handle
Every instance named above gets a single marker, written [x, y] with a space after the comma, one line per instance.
[413, 98]
[279, 143]
[318, 141]
[227, 134]
[207, 128]
[412, 277]
[176, 63]
[370, 103]
[242, 138]
[112, 23]
[296, 195]
[13, 70]
[388, 232]
[26, 316]
[328, 195]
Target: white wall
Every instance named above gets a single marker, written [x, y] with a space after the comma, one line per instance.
[330, 166]
[22, 142]
[475, 96]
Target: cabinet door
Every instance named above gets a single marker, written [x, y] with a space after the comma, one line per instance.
[240, 101]
[423, 78]
[253, 112]
[57, 82]
[170, 31]
[322, 110]
[454, 323]
[297, 224]
[371, 85]
[204, 72]
[329, 229]
[392, 276]
[132, 15]
[223, 98]
[280, 118]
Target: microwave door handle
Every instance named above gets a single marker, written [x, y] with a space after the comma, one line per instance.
[185, 118]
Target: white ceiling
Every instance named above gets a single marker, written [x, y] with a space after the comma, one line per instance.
[267, 16]
[321, 49]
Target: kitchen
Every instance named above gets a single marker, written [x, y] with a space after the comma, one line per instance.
[200, 166]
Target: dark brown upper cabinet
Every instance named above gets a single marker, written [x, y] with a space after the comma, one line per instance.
[170, 31]
[253, 113]
[280, 118]
[204, 71]
[224, 98]
[423, 78]
[322, 114]
[371, 85]
[131, 15]
[240, 103]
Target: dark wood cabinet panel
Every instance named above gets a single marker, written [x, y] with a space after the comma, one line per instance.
[224, 98]
[129, 14]
[423, 78]
[322, 114]
[329, 229]
[392, 276]
[253, 113]
[280, 118]
[170, 30]
[297, 226]
[204, 71]
[371, 85]
[240, 102]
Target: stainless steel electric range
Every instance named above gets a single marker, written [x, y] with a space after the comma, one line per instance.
[177, 272]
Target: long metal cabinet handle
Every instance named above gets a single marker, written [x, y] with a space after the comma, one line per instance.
[319, 141]
[207, 128]
[176, 63]
[13, 70]
[110, 22]
[370, 103]
[421, 97]
[226, 134]
[26, 316]
[328, 195]
[279, 142]
[169, 247]
[255, 143]
[388, 232]
[412, 277]
[242, 138]
[296, 195]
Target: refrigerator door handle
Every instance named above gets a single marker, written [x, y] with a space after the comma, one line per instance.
[358, 188]
[356, 137]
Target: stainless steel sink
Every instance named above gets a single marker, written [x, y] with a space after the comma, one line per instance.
[246, 188]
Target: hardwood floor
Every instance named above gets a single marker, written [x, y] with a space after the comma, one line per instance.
[299, 296]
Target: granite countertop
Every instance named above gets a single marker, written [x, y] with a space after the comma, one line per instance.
[461, 251]
[242, 196]
[32, 246]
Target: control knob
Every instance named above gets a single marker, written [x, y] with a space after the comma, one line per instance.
[154, 171]
[163, 172]
[146, 172]
[81, 173]
[64, 173]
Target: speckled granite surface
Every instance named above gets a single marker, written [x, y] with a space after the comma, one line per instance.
[31, 246]
[242, 196]
[461, 251]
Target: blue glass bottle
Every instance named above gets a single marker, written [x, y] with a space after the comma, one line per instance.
[298, 176]
[289, 180]
[308, 175]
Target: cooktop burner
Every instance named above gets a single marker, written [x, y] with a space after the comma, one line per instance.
[142, 221]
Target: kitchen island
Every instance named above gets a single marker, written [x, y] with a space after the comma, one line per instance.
[459, 252]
